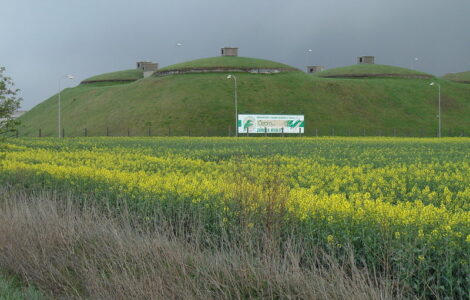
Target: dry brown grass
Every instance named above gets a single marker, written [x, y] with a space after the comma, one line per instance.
[83, 252]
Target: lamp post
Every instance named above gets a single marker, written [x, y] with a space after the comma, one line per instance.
[58, 109]
[236, 105]
[413, 63]
[179, 53]
[439, 115]
[307, 52]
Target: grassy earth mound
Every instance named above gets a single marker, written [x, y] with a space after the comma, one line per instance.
[203, 104]
[119, 76]
[372, 70]
[228, 62]
[462, 77]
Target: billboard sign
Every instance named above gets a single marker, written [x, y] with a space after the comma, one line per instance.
[270, 123]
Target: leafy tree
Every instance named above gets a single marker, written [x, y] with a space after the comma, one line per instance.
[9, 103]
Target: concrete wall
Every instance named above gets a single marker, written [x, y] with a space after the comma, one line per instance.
[148, 73]
[147, 66]
[314, 69]
[224, 70]
[229, 51]
[366, 60]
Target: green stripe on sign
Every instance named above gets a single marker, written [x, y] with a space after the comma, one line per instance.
[302, 124]
[239, 123]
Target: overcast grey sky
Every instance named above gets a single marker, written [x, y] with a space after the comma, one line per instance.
[44, 40]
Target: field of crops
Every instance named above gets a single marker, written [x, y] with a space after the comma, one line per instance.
[401, 205]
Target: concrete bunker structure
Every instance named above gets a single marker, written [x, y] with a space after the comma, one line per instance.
[366, 60]
[147, 67]
[229, 51]
[315, 69]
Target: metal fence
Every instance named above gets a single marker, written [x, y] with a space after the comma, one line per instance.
[226, 132]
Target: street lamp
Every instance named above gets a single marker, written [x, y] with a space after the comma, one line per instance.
[413, 63]
[236, 105]
[439, 115]
[179, 53]
[307, 52]
[60, 80]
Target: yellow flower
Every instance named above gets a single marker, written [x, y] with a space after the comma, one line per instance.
[420, 233]
[330, 239]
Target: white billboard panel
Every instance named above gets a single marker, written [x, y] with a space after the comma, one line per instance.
[270, 123]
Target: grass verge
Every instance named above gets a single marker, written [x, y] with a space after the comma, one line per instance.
[84, 251]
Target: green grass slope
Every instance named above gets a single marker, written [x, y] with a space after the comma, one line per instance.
[203, 103]
[371, 70]
[462, 77]
[227, 62]
[126, 75]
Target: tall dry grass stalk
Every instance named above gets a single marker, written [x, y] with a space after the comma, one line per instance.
[71, 251]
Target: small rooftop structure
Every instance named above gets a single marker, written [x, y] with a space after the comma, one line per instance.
[366, 60]
[315, 69]
[229, 51]
[147, 67]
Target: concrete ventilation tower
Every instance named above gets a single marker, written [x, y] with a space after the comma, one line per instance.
[315, 69]
[366, 60]
[147, 67]
[229, 51]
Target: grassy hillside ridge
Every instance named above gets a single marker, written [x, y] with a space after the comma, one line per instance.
[463, 77]
[228, 61]
[203, 104]
[370, 69]
[126, 75]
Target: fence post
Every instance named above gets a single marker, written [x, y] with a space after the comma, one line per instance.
[248, 131]
[86, 133]
[40, 134]
[229, 130]
[63, 132]
[316, 132]
[128, 131]
[282, 131]
[332, 132]
[300, 132]
[107, 131]
[189, 131]
[150, 133]
[265, 131]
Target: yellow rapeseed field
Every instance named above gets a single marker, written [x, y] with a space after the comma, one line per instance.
[402, 205]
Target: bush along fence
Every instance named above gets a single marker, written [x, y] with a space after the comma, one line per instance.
[227, 132]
